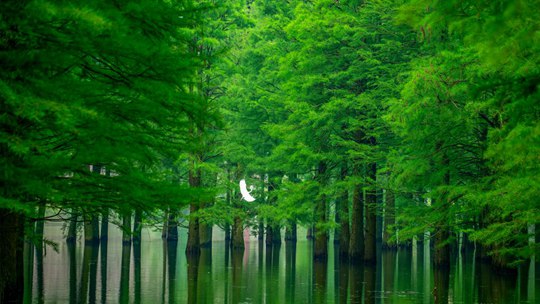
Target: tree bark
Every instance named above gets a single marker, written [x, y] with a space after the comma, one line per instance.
[137, 226]
[172, 227]
[371, 216]
[356, 243]
[389, 220]
[238, 234]
[105, 225]
[342, 209]
[194, 241]
[126, 228]
[291, 232]
[91, 228]
[321, 235]
[72, 228]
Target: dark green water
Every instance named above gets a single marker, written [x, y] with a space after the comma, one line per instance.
[159, 272]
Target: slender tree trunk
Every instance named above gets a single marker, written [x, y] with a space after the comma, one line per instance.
[389, 220]
[356, 243]
[126, 228]
[72, 228]
[91, 228]
[227, 233]
[276, 235]
[260, 230]
[371, 216]
[137, 226]
[172, 227]
[105, 225]
[165, 229]
[194, 241]
[269, 234]
[442, 249]
[321, 236]
[343, 212]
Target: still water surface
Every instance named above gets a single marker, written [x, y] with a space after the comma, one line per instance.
[159, 272]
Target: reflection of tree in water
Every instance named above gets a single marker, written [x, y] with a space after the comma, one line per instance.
[237, 257]
[103, 264]
[205, 292]
[290, 270]
[320, 267]
[494, 285]
[171, 247]
[441, 278]
[124, 273]
[356, 279]
[137, 264]
[192, 276]
[272, 272]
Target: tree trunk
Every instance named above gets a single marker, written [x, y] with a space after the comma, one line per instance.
[238, 234]
[442, 249]
[309, 233]
[126, 228]
[172, 227]
[72, 228]
[137, 226]
[321, 235]
[205, 234]
[342, 209]
[370, 255]
[105, 225]
[276, 235]
[356, 243]
[91, 228]
[194, 241]
[389, 220]
[290, 233]
[228, 233]
[269, 234]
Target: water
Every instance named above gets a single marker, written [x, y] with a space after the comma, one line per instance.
[159, 272]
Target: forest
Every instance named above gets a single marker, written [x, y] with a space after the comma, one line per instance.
[367, 126]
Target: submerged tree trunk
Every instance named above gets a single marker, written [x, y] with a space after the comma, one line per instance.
[172, 227]
[72, 228]
[11, 256]
[269, 235]
[389, 220]
[137, 226]
[356, 243]
[320, 250]
[126, 228]
[442, 249]
[371, 216]
[194, 241]
[91, 228]
[238, 233]
[291, 232]
[342, 209]
[105, 225]
[205, 234]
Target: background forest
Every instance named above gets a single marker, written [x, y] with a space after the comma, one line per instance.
[363, 121]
